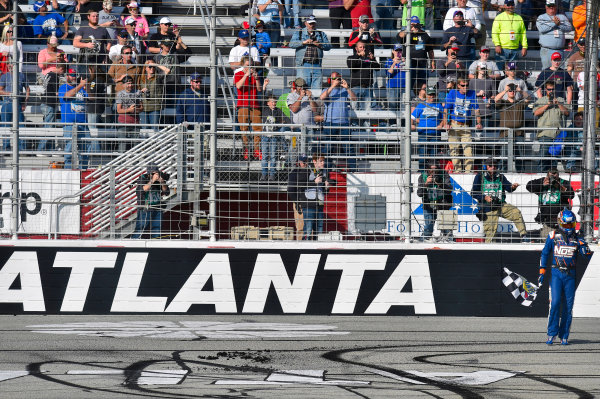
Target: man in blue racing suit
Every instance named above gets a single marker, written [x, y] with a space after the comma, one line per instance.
[560, 252]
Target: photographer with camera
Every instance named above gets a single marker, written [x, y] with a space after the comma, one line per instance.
[435, 188]
[317, 185]
[365, 34]
[151, 187]
[489, 189]
[554, 195]
[550, 111]
[310, 44]
[361, 64]
[461, 35]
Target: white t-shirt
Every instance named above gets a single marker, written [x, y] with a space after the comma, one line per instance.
[236, 53]
[468, 14]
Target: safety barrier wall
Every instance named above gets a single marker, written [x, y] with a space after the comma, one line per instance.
[274, 279]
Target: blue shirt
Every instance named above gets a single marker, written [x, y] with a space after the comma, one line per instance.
[192, 107]
[337, 107]
[429, 116]
[264, 39]
[271, 13]
[461, 106]
[46, 24]
[72, 109]
[6, 83]
[398, 77]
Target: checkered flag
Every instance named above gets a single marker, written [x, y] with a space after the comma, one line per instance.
[523, 291]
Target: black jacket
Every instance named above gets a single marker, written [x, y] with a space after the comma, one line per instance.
[361, 70]
[436, 196]
[546, 194]
[145, 198]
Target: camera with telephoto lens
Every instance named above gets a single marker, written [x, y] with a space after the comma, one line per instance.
[551, 96]
[554, 181]
[163, 175]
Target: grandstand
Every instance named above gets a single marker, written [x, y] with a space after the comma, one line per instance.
[225, 180]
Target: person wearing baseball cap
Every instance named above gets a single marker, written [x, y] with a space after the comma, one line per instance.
[192, 104]
[168, 31]
[522, 92]
[242, 49]
[427, 121]
[460, 37]
[552, 27]
[48, 23]
[365, 33]
[421, 52]
[484, 58]
[557, 74]
[141, 23]
[489, 189]
[509, 34]
[310, 45]
[108, 20]
[271, 13]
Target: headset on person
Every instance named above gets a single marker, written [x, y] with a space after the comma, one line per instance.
[330, 79]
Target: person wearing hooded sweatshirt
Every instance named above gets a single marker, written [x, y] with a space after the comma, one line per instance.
[151, 187]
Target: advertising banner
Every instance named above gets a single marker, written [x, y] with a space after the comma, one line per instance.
[40, 188]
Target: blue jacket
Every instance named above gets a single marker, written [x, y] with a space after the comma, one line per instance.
[300, 36]
[547, 28]
[192, 108]
[262, 38]
[563, 250]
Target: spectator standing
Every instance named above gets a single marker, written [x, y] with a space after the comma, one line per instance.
[6, 107]
[469, 14]
[166, 31]
[302, 106]
[248, 109]
[489, 189]
[273, 120]
[563, 82]
[117, 72]
[358, 8]
[383, 14]
[310, 44]
[435, 188]
[421, 52]
[72, 96]
[271, 13]
[108, 20]
[522, 93]
[192, 103]
[48, 24]
[133, 39]
[93, 42]
[550, 110]
[427, 119]
[460, 105]
[115, 50]
[51, 56]
[151, 187]
[241, 50]
[485, 90]
[450, 68]
[339, 17]
[314, 196]
[552, 27]
[512, 116]
[141, 24]
[365, 34]
[554, 195]
[292, 12]
[6, 17]
[297, 183]
[169, 59]
[97, 100]
[152, 87]
[337, 98]
[484, 59]
[361, 65]
[576, 62]
[6, 48]
[262, 42]
[395, 69]
[84, 7]
[50, 102]
[509, 34]
[462, 35]
[129, 105]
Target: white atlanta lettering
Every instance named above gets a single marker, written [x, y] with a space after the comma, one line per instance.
[293, 292]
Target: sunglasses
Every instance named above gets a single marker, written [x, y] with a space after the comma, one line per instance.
[9, 31]
[127, 52]
[168, 24]
[463, 85]
[195, 81]
[547, 89]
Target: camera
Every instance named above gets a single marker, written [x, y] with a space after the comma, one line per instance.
[312, 36]
[365, 37]
[461, 23]
[551, 96]
[163, 175]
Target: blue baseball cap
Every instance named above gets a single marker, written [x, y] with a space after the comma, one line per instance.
[302, 158]
[509, 2]
[38, 4]
[195, 76]
[243, 34]
[415, 20]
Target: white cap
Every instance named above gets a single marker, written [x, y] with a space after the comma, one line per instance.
[165, 20]
[129, 20]
[133, 4]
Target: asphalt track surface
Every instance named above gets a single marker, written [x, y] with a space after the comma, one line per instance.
[294, 357]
